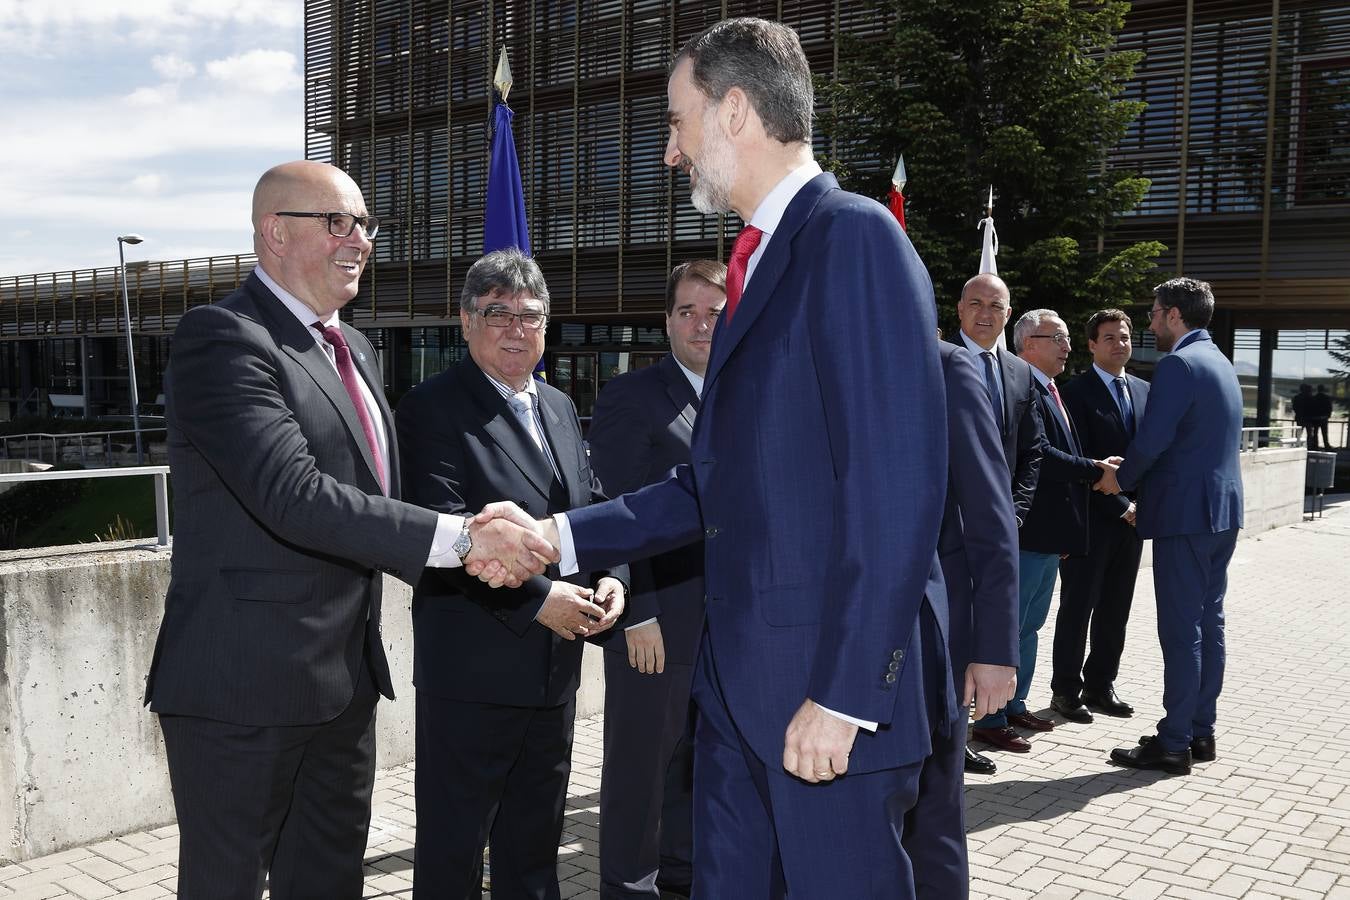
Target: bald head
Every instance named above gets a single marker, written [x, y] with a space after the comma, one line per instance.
[984, 309]
[298, 252]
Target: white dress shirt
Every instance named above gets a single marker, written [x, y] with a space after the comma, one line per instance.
[448, 527]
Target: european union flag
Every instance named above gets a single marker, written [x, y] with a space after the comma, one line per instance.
[504, 222]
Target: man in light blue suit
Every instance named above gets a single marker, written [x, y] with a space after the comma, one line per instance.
[817, 482]
[1183, 464]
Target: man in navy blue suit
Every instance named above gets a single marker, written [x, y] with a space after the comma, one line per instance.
[642, 428]
[1183, 464]
[1107, 404]
[818, 479]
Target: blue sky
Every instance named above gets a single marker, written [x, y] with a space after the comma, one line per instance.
[149, 116]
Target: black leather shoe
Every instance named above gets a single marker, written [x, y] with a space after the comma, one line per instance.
[979, 764]
[1149, 754]
[1202, 748]
[1107, 703]
[1071, 708]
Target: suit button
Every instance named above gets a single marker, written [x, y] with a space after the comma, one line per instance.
[890, 678]
[523, 504]
[894, 666]
[898, 655]
[710, 532]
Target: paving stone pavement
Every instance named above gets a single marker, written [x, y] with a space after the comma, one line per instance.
[1269, 819]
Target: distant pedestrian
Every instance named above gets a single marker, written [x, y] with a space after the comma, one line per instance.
[1301, 403]
[1319, 417]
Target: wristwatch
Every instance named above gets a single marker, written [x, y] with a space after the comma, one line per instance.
[463, 542]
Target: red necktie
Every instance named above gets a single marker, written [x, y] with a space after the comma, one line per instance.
[741, 250]
[1054, 392]
[350, 380]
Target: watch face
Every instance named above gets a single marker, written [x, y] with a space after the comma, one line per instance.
[462, 545]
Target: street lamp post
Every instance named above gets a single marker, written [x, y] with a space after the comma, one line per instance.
[131, 351]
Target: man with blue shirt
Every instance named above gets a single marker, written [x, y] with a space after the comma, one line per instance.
[1183, 465]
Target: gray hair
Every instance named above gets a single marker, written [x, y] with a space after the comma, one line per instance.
[505, 273]
[1192, 298]
[764, 59]
[1028, 323]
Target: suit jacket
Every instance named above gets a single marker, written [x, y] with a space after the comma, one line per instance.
[642, 427]
[281, 530]
[978, 544]
[464, 448]
[818, 478]
[1058, 521]
[1101, 431]
[1183, 461]
[1023, 432]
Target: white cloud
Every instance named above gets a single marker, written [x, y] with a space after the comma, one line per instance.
[159, 95]
[65, 14]
[173, 67]
[264, 71]
[149, 183]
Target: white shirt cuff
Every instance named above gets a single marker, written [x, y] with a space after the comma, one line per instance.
[640, 624]
[442, 555]
[861, 723]
[568, 551]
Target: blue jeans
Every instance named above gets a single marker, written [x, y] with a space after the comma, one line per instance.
[1036, 574]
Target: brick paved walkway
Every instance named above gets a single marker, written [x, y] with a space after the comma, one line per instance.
[1270, 818]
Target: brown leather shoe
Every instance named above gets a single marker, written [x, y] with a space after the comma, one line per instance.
[1030, 722]
[1003, 738]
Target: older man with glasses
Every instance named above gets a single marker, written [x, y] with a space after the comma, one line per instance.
[497, 671]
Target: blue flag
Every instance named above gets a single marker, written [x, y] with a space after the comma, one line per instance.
[504, 217]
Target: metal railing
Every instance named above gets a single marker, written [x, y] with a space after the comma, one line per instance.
[1277, 436]
[160, 473]
[81, 447]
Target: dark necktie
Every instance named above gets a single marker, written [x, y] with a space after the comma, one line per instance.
[342, 355]
[1123, 401]
[741, 250]
[993, 388]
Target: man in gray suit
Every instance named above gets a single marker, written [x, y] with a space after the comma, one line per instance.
[269, 660]
[643, 424]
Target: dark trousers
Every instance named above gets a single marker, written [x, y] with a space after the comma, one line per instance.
[646, 782]
[1190, 578]
[762, 834]
[292, 800]
[935, 829]
[1095, 598]
[494, 775]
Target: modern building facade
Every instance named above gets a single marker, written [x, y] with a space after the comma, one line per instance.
[1249, 101]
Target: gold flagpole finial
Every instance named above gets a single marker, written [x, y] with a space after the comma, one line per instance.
[502, 80]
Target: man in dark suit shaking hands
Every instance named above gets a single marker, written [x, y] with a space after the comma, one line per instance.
[285, 467]
[497, 670]
[1107, 404]
[642, 428]
[817, 484]
[1183, 464]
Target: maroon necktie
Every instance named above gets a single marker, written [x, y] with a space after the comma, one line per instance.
[351, 381]
[1054, 395]
[741, 249]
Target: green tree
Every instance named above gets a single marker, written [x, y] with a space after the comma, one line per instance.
[1020, 94]
[1342, 355]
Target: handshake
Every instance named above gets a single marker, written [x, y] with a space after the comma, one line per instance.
[509, 547]
[1108, 485]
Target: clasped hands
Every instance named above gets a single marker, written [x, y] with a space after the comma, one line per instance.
[1107, 484]
[509, 547]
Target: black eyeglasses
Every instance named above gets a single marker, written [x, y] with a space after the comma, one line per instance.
[501, 317]
[342, 224]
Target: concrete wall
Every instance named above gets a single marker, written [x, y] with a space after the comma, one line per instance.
[80, 758]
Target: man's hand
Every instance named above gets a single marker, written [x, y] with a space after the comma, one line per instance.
[1131, 513]
[1107, 484]
[609, 596]
[646, 648]
[817, 744]
[991, 687]
[507, 546]
[568, 611]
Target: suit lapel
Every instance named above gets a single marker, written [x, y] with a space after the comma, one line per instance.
[1012, 389]
[1106, 400]
[679, 390]
[505, 429]
[298, 342]
[561, 440]
[768, 272]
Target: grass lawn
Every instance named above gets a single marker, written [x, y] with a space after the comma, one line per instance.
[94, 513]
